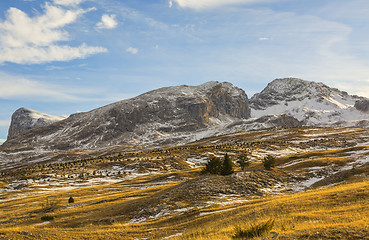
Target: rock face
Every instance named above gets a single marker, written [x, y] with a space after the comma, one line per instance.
[154, 117]
[311, 103]
[280, 121]
[25, 119]
[286, 90]
[362, 105]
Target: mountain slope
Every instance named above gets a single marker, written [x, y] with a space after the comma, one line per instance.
[145, 119]
[310, 102]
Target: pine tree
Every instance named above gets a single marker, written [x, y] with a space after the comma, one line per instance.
[269, 162]
[213, 166]
[227, 167]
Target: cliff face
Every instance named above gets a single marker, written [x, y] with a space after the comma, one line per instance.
[362, 105]
[145, 119]
[25, 119]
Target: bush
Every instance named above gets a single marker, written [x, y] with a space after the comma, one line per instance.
[243, 161]
[47, 218]
[269, 162]
[71, 200]
[50, 205]
[227, 167]
[255, 230]
[214, 166]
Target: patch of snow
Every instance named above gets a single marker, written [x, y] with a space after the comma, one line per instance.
[307, 183]
[218, 211]
[137, 220]
[196, 162]
[172, 236]
[183, 209]
[43, 223]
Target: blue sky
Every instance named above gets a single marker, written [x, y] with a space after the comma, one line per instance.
[65, 56]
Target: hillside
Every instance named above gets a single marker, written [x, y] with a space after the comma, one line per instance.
[312, 103]
[161, 193]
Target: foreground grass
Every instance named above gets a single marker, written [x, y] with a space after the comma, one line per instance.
[340, 211]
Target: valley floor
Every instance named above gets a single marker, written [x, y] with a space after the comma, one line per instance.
[319, 189]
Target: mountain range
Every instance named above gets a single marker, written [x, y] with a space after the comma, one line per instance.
[178, 115]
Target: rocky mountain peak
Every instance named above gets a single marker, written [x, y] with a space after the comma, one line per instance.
[159, 116]
[293, 89]
[24, 119]
[312, 103]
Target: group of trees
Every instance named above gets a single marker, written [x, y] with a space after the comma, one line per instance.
[225, 167]
[216, 166]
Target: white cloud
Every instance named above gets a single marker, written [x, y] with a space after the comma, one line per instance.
[31, 55]
[206, 4]
[132, 50]
[2, 141]
[20, 88]
[263, 38]
[13, 87]
[68, 2]
[27, 40]
[107, 22]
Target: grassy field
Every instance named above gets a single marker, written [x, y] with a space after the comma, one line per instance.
[161, 193]
[336, 212]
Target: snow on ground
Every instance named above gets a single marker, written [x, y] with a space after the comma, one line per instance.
[307, 183]
[330, 110]
[217, 211]
[172, 236]
[35, 115]
[43, 223]
[197, 161]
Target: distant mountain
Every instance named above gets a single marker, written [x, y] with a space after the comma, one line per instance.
[25, 119]
[162, 116]
[312, 103]
[178, 115]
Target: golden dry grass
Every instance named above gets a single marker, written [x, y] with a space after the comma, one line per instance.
[104, 211]
[324, 209]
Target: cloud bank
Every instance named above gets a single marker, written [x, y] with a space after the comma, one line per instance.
[68, 2]
[14, 87]
[30, 40]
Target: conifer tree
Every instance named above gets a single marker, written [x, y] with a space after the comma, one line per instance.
[227, 167]
[269, 162]
[213, 166]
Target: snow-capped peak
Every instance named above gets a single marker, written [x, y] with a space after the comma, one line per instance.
[311, 102]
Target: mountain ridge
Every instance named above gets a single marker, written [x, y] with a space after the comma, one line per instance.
[181, 114]
[166, 110]
[312, 103]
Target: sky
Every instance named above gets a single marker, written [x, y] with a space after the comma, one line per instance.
[66, 56]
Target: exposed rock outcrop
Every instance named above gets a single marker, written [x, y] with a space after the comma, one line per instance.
[25, 119]
[362, 105]
[144, 120]
[313, 103]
